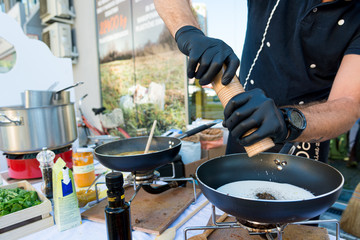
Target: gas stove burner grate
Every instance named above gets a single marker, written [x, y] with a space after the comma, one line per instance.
[32, 155]
[269, 230]
[258, 227]
[145, 177]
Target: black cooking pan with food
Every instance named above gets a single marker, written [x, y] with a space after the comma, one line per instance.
[324, 181]
[162, 151]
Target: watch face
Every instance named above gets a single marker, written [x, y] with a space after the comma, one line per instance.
[297, 119]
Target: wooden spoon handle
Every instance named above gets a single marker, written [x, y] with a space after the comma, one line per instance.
[225, 93]
[191, 214]
[221, 219]
[150, 137]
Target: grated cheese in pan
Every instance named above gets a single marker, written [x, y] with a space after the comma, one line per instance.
[280, 191]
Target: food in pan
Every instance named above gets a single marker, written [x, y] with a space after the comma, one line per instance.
[265, 195]
[265, 190]
[133, 153]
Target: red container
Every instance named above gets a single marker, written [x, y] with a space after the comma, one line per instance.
[23, 167]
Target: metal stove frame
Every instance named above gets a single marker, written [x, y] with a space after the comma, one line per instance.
[253, 231]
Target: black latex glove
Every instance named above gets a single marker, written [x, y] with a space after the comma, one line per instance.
[252, 109]
[210, 53]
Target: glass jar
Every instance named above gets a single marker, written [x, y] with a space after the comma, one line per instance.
[83, 167]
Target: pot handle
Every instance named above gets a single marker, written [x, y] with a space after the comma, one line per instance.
[72, 86]
[10, 121]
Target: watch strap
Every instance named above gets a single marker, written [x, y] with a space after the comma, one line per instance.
[293, 131]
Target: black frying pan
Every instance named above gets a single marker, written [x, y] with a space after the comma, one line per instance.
[324, 181]
[166, 148]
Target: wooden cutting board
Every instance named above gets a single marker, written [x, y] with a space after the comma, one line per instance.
[291, 232]
[150, 213]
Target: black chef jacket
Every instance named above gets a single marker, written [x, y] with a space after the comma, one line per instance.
[303, 49]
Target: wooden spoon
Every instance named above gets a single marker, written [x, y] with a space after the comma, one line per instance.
[170, 233]
[205, 234]
[150, 137]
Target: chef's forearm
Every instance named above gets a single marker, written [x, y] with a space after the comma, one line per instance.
[175, 14]
[329, 119]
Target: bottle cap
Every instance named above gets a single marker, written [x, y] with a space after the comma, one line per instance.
[81, 150]
[66, 176]
[114, 180]
[45, 157]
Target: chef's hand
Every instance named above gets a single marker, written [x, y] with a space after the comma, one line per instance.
[210, 53]
[252, 109]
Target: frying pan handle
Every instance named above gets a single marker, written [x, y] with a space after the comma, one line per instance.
[289, 148]
[199, 129]
[225, 93]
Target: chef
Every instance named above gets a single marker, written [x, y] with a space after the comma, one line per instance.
[300, 68]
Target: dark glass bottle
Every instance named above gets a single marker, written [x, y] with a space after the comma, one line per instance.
[117, 212]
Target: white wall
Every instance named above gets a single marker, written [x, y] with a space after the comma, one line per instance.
[87, 68]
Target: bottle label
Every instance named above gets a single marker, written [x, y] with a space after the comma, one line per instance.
[113, 199]
[83, 169]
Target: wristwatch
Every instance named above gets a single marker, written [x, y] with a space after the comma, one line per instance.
[295, 121]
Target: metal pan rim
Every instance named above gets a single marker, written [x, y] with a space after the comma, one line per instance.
[136, 155]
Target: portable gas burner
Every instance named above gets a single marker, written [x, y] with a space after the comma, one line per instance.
[26, 166]
[149, 180]
[255, 228]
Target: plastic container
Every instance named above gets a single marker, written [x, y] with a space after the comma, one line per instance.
[85, 197]
[83, 167]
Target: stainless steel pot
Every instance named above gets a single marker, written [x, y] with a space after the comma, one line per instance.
[38, 98]
[25, 130]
